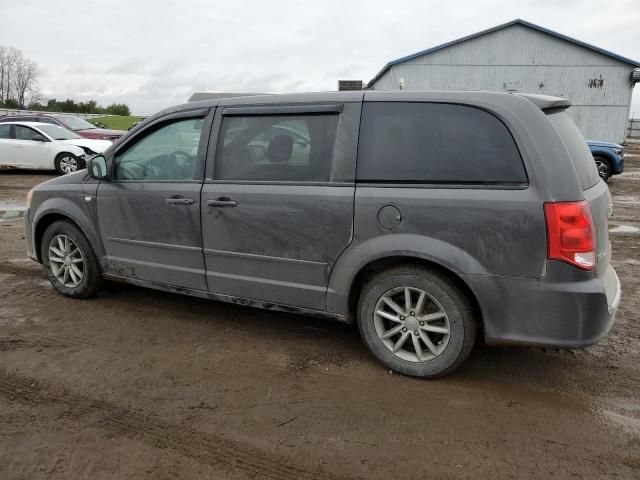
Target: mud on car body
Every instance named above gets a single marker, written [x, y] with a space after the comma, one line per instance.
[428, 218]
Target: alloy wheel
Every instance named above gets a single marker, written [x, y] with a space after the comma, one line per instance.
[412, 324]
[68, 164]
[603, 168]
[66, 261]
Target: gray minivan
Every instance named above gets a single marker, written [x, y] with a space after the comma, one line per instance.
[429, 218]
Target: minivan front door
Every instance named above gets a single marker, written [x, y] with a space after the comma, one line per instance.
[277, 206]
[149, 213]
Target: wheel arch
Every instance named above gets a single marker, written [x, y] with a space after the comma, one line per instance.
[70, 213]
[355, 265]
[375, 266]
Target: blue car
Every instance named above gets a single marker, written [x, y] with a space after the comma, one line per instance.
[609, 158]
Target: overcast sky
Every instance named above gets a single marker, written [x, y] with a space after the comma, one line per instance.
[153, 54]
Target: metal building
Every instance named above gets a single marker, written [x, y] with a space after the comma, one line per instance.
[520, 56]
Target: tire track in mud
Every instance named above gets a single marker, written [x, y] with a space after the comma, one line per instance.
[34, 270]
[48, 341]
[326, 375]
[202, 447]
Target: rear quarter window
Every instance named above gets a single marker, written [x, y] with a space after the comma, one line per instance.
[436, 143]
[577, 147]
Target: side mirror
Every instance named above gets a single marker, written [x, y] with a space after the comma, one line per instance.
[97, 168]
[302, 142]
[38, 138]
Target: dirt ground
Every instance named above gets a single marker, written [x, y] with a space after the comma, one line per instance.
[142, 384]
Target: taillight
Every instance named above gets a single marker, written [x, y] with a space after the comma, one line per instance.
[571, 234]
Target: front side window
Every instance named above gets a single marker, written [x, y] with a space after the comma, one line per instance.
[276, 148]
[168, 153]
[435, 143]
[26, 133]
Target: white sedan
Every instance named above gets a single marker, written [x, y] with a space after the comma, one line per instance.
[45, 146]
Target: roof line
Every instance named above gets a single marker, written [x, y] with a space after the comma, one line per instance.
[517, 21]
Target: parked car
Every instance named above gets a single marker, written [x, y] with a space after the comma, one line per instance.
[71, 122]
[45, 146]
[609, 158]
[466, 213]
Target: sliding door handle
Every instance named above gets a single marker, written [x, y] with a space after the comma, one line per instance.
[180, 201]
[222, 202]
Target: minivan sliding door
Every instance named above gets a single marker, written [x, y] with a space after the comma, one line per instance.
[277, 204]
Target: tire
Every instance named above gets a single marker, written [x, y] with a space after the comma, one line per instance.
[441, 297]
[67, 163]
[604, 167]
[86, 285]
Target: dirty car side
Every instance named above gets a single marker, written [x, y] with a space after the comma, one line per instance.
[310, 245]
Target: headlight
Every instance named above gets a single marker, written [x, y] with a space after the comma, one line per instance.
[29, 196]
[618, 151]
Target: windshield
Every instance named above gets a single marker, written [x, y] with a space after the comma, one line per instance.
[75, 123]
[58, 133]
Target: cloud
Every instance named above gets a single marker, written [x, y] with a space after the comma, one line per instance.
[153, 54]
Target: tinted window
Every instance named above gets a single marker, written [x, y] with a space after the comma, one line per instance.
[5, 131]
[25, 133]
[576, 146]
[429, 142]
[168, 153]
[276, 148]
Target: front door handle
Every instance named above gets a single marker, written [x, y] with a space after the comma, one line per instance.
[179, 201]
[222, 202]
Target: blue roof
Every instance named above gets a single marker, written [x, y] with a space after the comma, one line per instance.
[517, 21]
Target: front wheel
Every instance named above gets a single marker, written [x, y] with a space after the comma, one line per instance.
[604, 168]
[416, 321]
[69, 261]
[67, 163]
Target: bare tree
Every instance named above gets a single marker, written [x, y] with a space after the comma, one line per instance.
[4, 84]
[18, 76]
[24, 80]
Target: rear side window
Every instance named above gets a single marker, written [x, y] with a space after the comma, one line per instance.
[576, 146]
[5, 131]
[435, 143]
[276, 148]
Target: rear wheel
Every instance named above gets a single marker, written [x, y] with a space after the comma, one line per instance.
[604, 167]
[69, 261]
[67, 163]
[416, 321]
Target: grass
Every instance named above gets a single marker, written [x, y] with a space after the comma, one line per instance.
[115, 122]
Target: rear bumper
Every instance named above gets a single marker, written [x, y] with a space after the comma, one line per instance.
[566, 312]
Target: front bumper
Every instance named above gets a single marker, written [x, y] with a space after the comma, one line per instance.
[560, 310]
[617, 166]
[28, 236]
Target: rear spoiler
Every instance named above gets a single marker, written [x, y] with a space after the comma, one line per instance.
[545, 102]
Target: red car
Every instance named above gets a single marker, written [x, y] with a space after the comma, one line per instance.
[70, 122]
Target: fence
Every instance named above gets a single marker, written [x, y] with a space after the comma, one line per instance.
[633, 128]
[11, 111]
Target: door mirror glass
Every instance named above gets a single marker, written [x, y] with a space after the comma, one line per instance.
[97, 168]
